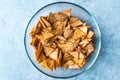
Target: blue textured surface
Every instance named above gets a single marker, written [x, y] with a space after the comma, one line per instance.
[14, 16]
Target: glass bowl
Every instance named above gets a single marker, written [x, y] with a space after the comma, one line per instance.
[77, 11]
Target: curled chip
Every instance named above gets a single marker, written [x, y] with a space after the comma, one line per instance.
[61, 40]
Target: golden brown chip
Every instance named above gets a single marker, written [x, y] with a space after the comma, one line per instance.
[42, 23]
[67, 33]
[73, 66]
[60, 26]
[38, 28]
[80, 62]
[90, 34]
[84, 29]
[48, 50]
[44, 65]
[51, 18]
[81, 55]
[89, 49]
[69, 62]
[65, 22]
[75, 54]
[76, 43]
[58, 32]
[45, 21]
[42, 57]
[60, 16]
[76, 23]
[40, 37]
[78, 34]
[47, 34]
[66, 57]
[32, 31]
[54, 54]
[67, 12]
[38, 51]
[34, 42]
[68, 46]
[84, 42]
[73, 19]
[59, 59]
[51, 64]
[67, 27]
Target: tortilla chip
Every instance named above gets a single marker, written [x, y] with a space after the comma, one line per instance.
[90, 34]
[70, 62]
[42, 57]
[60, 16]
[89, 49]
[59, 59]
[73, 66]
[34, 42]
[67, 33]
[51, 18]
[45, 21]
[73, 19]
[84, 42]
[66, 57]
[84, 29]
[51, 64]
[67, 12]
[78, 34]
[74, 54]
[67, 27]
[48, 50]
[80, 62]
[54, 54]
[76, 23]
[58, 32]
[44, 65]
[38, 52]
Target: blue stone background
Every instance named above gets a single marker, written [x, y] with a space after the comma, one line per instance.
[14, 16]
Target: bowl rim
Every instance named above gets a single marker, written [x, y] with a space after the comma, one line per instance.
[99, 46]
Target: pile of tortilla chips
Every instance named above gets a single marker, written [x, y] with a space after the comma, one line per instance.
[61, 40]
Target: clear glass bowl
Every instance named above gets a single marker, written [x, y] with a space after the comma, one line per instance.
[77, 11]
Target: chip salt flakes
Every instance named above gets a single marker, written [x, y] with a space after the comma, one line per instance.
[61, 40]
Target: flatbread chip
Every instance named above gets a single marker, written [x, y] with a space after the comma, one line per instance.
[60, 16]
[45, 21]
[48, 50]
[54, 54]
[80, 62]
[73, 66]
[90, 34]
[84, 42]
[38, 52]
[70, 62]
[73, 19]
[67, 33]
[75, 54]
[67, 12]
[78, 34]
[34, 42]
[89, 49]
[84, 29]
[76, 23]
[44, 65]
[42, 57]
[51, 64]
[59, 59]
